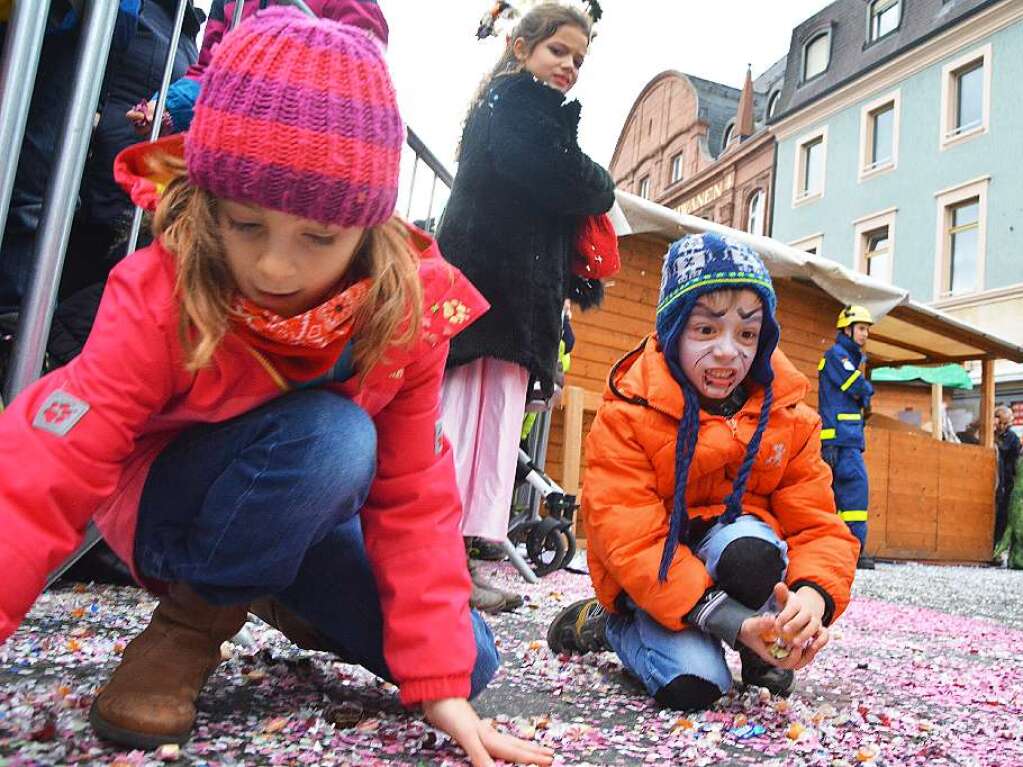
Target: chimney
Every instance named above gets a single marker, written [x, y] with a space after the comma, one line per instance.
[744, 118]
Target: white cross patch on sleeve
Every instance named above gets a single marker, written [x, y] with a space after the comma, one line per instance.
[59, 413]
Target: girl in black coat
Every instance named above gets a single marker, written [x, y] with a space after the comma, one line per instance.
[523, 187]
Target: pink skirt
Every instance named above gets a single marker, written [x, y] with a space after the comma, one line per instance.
[482, 407]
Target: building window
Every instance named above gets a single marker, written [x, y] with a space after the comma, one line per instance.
[962, 225]
[809, 171]
[816, 55]
[772, 104]
[882, 124]
[969, 97]
[727, 137]
[879, 135]
[884, 18]
[644, 187]
[812, 179]
[814, 244]
[676, 168]
[755, 213]
[963, 233]
[875, 244]
[965, 97]
[878, 253]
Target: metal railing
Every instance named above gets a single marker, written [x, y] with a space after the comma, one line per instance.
[23, 46]
[65, 180]
[17, 75]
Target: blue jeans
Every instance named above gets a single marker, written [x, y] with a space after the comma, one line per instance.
[851, 488]
[267, 504]
[655, 654]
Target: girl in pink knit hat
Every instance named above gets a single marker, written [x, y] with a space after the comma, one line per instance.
[254, 422]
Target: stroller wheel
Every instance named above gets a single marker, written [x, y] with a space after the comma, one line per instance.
[547, 546]
[570, 547]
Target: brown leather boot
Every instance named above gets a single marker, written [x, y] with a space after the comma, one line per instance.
[300, 631]
[485, 597]
[150, 698]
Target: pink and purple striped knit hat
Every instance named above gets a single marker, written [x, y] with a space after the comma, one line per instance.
[299, 115]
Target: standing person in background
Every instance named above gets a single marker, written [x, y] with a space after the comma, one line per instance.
[182, 93]
[138, 50]
[844, 400]
[522, 188]
[1008, 445]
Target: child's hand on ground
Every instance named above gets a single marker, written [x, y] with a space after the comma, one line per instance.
[481, 742]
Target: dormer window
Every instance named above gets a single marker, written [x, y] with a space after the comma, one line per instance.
[727, 138]
[816, 55]
[772, 104]
[885, 16]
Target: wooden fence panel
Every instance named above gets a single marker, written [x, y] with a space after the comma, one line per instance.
[966, 482]
[877, 457]
[911, 525]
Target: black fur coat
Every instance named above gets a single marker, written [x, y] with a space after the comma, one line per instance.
[522, 187]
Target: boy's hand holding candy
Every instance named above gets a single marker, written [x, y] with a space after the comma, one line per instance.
[792, 638]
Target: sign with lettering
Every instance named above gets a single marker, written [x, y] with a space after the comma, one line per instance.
[707, 194]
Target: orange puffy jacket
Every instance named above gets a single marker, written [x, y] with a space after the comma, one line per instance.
[629, 488]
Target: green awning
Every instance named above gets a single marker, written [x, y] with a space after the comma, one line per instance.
[953, 376]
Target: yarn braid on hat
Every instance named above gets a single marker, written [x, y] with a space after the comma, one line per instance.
[299, 115]
[696, 265]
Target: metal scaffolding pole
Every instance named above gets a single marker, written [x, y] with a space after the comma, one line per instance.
[161, 105]
[62, 193]
[236, 17]
[17, 81]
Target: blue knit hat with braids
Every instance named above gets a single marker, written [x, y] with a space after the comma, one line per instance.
[694, 266]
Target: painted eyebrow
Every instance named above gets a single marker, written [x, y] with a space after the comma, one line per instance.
[701, 307]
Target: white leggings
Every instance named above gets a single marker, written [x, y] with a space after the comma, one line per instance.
[482, 406]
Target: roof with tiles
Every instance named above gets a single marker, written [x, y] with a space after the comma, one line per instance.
[852, 52]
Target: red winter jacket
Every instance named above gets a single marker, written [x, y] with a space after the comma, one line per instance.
[139, 396]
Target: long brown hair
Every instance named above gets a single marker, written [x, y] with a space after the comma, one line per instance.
[542, 22]
[186, 222]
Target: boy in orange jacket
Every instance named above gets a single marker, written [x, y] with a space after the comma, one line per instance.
[709, 512]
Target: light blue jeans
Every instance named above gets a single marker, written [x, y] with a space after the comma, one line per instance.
[657, 655]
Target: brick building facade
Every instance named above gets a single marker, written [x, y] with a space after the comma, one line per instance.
[701, 147]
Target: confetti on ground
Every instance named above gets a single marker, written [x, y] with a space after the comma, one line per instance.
[924, 669]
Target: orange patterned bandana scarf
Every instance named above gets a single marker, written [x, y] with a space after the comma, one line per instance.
[302, 347]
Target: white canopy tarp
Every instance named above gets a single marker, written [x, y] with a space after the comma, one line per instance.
[636, 215]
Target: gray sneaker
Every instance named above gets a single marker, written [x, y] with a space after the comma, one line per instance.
[579, 628]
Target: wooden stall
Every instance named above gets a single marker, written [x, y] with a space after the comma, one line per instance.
[930, 500]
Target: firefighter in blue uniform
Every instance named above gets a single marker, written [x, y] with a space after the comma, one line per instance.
[844, 400]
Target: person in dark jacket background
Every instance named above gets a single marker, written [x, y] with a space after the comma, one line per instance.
[134, 68]
[1008, 445]
[522, 189]
[844, 398]
[182, 93]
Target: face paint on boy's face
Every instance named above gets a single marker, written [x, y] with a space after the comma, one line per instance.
[719, 342]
